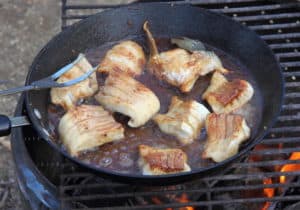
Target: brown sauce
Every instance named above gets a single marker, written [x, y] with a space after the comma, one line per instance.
[122, 156]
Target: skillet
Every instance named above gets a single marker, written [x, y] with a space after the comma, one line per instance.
[166, 20]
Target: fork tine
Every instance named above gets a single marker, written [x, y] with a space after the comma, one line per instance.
[67, 67]
[78, 79]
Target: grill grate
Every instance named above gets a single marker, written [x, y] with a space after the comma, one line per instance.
[246, 182]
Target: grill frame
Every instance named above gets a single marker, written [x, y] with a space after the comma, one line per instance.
[284, 131]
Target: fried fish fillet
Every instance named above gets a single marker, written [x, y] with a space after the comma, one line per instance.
[183, 120]
[178, 67]
[67, 97]
[155, 161]
[121, 93]
[86, 126]
[225, 133]
[128, 56]
[224, 96]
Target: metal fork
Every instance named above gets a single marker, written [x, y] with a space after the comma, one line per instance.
[49, 82]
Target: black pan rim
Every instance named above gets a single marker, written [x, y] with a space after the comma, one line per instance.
[252, 142]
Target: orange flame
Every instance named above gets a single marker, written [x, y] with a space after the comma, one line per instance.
[269, 192]
[184, 199]
[290, 167]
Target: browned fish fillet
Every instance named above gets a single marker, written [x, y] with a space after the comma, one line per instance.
[87, 126]
[225, 133]
[121, 93]
[67, 97]
[178, 67]
[183, 120]
[155, 161]
[128, 56]
[224, 96]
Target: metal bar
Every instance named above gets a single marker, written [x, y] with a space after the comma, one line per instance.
[288, 118]
[268, 17]
[203, 203]
[92, 6]
[288, 54]
[256, 8]
[290, 85]
[275, 151]
[163, 190]
[290, 64]
[266, 163]
[274, 26]
[218, 2]
[284, 45]
[251, 176]
[63, 13]
[292, 106]
[292, 95]
[188, 191]
[281, 36]
[281, 140]
[75, 17]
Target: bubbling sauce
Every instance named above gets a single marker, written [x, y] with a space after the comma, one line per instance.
[122, 156]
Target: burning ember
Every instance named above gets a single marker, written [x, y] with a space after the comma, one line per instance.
[290, 167]
[269, 192]
[183, 198]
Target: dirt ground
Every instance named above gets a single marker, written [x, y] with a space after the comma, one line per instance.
[25, 26]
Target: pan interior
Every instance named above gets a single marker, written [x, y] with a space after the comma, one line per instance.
[122, 156]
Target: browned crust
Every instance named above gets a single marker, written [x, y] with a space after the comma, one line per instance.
[167, 160]
[230, 91]
[222, 126]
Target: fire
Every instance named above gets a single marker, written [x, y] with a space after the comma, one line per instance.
[184, 199]
[290, 167]
[181, 199]
[269, 192]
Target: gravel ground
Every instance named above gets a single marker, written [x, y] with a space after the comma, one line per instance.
[25, 26]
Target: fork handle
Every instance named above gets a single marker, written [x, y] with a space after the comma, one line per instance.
[16, 90]
[5, 125]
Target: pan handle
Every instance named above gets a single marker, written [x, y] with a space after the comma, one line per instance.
[7, 123]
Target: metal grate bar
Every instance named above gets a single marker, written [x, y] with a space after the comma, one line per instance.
[268, 17]
[288, 54]
[199, 204]
[266, 163]
[259, 8]
[281, 140]
[284, 45]
[189, 191]
[274, 26]
[281, 36]
[292, 106]
[196, 190]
